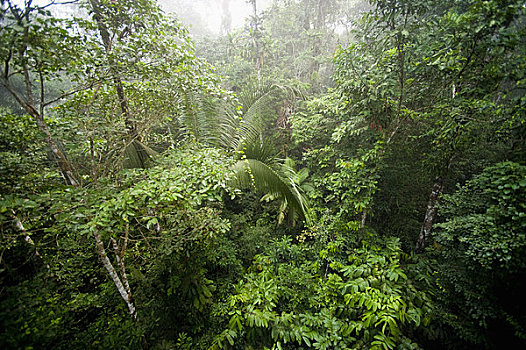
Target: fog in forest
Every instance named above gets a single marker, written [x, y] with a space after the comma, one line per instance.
[212, 17]
[262, 174]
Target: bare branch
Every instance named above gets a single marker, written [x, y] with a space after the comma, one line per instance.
[6, 68]
[54, 2]
[69, 93]
[14, 73]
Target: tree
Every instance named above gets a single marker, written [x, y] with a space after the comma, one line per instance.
[381, 79]
[37, 50]
[40, 47]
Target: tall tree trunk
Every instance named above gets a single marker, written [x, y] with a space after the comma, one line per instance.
[131, 127]
[226, 18]
[306, 15]
[319, 26]
[431, 212]
[259, 59]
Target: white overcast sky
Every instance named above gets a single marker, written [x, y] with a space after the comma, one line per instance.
[199, 13]
[211, 11]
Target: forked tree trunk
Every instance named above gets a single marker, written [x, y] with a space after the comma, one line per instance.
[122, 285]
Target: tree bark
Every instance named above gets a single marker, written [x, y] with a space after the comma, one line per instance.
[364, 218]
[20, 227]
[123, 291]
[431, 212]
[432, 209]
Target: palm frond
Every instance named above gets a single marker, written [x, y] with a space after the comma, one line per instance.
[255, 100]
[195, 116]
[260, 149]
[220, 123]
[256, 174]
[137, 155]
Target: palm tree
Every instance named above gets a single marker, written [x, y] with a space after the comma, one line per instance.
[240, 130]
[299, 186]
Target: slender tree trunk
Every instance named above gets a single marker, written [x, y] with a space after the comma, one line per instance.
[20, 227]
[117, 82]
[226, 18]
[306, 15]
[364, 218]
[259, 59]
[106, 41]
[319, 26]
[28, 103]
[431, 212]
[432, 209]
[123, 288]
[65, 167]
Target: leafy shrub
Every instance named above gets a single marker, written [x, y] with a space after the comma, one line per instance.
[286, 301]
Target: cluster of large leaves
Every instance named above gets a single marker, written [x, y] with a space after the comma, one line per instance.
[287, 301]
[487, 218]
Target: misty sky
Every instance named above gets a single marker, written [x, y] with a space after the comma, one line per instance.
[203, 17]
[208, 15]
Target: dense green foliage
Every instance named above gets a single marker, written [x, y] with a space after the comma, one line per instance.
[347, 175]
[481, 252]
[365, 302]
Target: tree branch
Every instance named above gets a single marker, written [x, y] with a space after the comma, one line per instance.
[41, 93]
[113, 274]
[21, 228]
[69, 93]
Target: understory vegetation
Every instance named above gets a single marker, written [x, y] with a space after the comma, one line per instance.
[333, 175]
